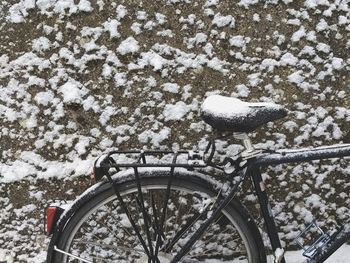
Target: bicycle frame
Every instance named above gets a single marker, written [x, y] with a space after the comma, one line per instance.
[304, 155]
[292, 156]
[252, 169]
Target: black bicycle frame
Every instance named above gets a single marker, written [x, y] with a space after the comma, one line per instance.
[304, 155]
[265, 207]
[253, 171]
[292, 156]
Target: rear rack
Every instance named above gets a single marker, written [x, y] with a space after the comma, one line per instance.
[139, 158]
[168, 159]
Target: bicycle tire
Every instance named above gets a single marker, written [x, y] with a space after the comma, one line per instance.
[81, 235]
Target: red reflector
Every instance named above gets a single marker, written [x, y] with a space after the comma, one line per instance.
[50, 219]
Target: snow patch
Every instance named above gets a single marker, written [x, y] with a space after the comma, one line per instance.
[72, 92]
[129, 45]
[222, 21]
[175, 111]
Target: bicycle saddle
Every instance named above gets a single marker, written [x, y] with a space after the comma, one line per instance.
[231, 114]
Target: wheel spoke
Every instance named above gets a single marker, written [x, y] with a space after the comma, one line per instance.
[124, 229]
[110, 246]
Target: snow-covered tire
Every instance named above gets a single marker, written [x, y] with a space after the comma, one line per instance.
[100, 228]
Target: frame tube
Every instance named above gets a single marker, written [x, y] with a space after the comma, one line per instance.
[304, 155]
[266, 210]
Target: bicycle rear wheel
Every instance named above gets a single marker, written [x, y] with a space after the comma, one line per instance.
[100, 231]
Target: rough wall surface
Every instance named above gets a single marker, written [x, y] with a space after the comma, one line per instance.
[78, 78]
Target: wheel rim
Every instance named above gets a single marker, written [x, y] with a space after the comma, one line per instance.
[105, 234]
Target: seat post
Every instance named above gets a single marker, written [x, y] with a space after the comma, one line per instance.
[249, 151]
[247, 143]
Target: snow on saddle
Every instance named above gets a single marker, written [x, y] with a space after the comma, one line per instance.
[231, 114]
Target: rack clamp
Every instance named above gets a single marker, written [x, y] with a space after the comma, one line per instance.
[195, 158]
[102, 166]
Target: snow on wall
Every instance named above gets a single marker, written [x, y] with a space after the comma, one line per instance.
[80, 77]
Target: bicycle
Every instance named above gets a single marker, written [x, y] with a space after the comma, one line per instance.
[163, 206]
